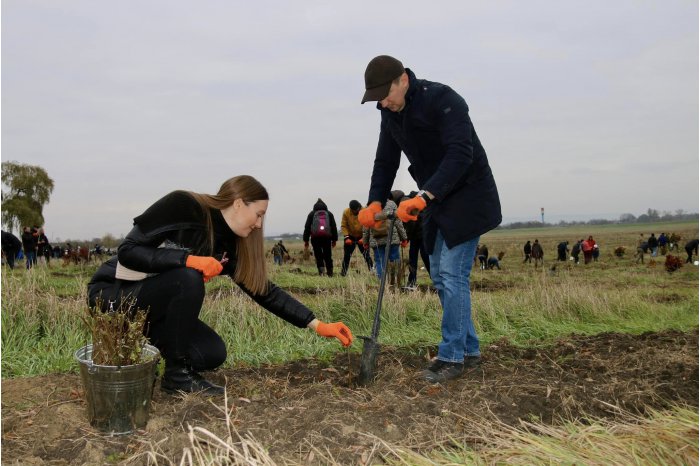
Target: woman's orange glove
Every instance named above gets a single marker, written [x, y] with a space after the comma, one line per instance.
[209, 266]
[335, 330]
[366, 215]
[404, 243]
[348, 241]
[408, 210]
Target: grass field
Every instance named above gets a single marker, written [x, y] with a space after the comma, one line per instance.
[526, 306]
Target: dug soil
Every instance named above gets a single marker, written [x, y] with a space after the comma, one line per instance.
[310, 411]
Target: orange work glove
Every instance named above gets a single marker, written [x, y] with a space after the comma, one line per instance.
[408, 210]
[332, 244]
[306, 245]
[338, 330]
[348, 241]
[360, 241]
[366, 246]
[209, 266]
[404, 243]
[366, 215]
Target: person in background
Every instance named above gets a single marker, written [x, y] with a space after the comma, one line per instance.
[377, 238]
[352, 236]
[482, 253]
[11, 245]
[663, 244]
[596, 252]
[690, 248]
[414, 232]
[43, 248]
[29, 247]
[576, 250]
[527, 250]
[179, 243]
[587, 247]
[321, 229]
[653, 245]
[429, 122]
[641, 248]
[278, 253]
[562, 251]
[537, 253]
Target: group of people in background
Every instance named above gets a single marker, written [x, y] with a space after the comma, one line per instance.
[321, 234]
[590, 250]
[33, 246]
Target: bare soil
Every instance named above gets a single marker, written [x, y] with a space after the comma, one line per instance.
[307, 406]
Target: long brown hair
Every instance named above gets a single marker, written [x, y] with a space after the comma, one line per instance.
[251, 269]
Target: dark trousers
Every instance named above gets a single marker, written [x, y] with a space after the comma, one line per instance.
[323, 255]
[561, 256]
[416, 247]
[10, 256]
[174, 299]
[689, 251]
[348, 249]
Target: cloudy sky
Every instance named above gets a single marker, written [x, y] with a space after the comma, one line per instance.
[588, 109]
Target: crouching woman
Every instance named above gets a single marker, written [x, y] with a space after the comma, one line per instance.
[182, 241]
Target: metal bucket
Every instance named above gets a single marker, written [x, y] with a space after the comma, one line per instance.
[118, 397]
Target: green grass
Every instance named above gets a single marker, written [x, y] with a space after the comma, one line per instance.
[41, 309]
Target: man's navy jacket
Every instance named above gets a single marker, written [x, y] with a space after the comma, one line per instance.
[447, 159]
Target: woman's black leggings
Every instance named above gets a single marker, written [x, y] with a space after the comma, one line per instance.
[173, 300]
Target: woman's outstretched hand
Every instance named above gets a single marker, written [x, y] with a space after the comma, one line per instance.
[335, 330]
[209, 266]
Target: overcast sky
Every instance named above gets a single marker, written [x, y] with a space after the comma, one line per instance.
[588, 109]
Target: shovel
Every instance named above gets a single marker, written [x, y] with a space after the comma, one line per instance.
[370, 345]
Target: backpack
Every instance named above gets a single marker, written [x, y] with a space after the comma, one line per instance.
[320, 225]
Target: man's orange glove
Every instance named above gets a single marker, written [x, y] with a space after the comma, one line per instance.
[408, 210]
[209, 266]
[306, 245]
[348, 241]
[332, 244]
[404, 243]
[335, 330]
[366, 215]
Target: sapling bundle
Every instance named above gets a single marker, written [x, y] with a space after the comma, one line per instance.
[117, 335]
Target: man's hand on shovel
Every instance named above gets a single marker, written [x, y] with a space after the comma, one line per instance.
[368, 216]
[334, 330]
[408, 209]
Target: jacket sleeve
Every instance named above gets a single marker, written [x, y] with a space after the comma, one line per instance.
[307, 226]
[457, 136]
[141, 252]
[344, 226]
[283, 305]
[334, 227]
[386, 164]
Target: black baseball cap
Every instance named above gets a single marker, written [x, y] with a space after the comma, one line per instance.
[380, 73]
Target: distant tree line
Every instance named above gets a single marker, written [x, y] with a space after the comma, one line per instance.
[651, 216]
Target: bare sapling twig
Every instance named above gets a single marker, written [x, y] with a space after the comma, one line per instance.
[117, 335]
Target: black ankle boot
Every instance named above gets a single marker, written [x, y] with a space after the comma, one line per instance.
[179, 376]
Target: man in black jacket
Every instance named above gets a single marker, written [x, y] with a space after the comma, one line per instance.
[11, 245]
[430, 123]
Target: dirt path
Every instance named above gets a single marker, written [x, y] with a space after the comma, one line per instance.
[290, 408]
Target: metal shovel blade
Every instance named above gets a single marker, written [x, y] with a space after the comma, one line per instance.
[368, 362]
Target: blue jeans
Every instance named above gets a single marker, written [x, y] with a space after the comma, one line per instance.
[450, 269]
[379, 252]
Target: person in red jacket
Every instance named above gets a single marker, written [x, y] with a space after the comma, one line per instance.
[587, 247]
